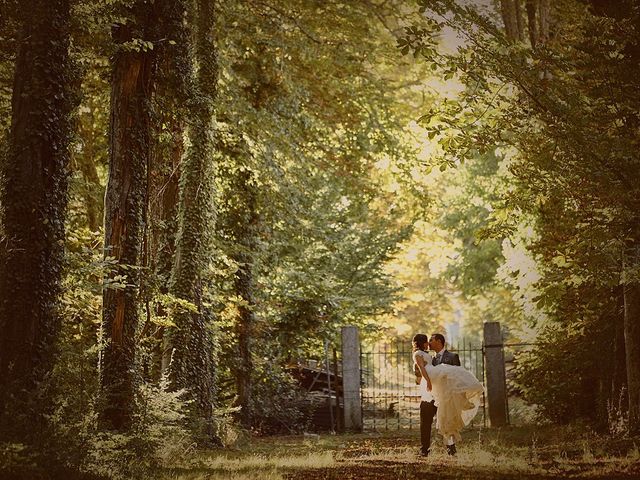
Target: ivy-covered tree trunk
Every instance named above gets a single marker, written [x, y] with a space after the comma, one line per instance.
[91, 189]
[190, 341]
[164, 212]
[129, 150]
[244, 227]
[33, 200]
[632, 336]
[174, 75]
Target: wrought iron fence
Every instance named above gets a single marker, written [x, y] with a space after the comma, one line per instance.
[390, 396]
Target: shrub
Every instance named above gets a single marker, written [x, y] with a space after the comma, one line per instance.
[158, 437]
[278, 404]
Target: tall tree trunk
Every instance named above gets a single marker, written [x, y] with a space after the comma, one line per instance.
[129, 149]
[174, 69]
[164, 212]
[34, 200]
[538, 12]
[532, 7]
[190, 341]
[618, 378]
[92, 188]
[632, 336]
[519, 19]
[511, 12]
[245, 225]
[544, 21]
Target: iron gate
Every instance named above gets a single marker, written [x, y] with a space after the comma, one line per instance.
[390, 397]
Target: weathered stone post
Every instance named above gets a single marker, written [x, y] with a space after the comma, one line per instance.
[351, 378]
[496, 379]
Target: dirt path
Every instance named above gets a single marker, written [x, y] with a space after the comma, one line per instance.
[524, 453]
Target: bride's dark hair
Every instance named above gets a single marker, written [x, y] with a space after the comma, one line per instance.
[420, 340]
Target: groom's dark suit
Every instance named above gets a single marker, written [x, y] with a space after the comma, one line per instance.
[428, 409]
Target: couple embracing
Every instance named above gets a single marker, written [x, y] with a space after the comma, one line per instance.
[448, 392]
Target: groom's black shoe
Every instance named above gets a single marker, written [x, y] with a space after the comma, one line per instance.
[451, 450]
[424, 453]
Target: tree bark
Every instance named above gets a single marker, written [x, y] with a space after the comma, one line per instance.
[532, 7]
[244, 227]
[632, 337]
[92, 188]
[174, 68]
[129, 150]
[538, 12]
[164, 210]
[519, 19]
[511, 12]
[544, 20]
[33, 199]
[618, 377]
[190, 341]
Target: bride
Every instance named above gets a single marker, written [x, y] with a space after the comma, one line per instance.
[456, 391]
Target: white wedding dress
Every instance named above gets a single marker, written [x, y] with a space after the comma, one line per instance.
[457, 394]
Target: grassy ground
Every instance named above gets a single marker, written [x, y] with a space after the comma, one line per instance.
[521, 452]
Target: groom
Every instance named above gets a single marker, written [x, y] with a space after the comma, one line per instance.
[427, 405]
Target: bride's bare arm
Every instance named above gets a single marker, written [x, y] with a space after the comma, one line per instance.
[423, 371]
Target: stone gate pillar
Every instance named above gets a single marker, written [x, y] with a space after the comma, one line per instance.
[351, 378]
[495, 374]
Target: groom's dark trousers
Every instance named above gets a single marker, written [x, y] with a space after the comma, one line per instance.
[427, 412]
[428, 409]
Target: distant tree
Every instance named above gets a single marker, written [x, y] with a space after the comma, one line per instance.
[239, 225]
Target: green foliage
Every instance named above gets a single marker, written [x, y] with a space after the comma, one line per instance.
[72, 445]
[547, 377]
[562, 114]
[278, 405]
[311, 143]
[158, 437]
